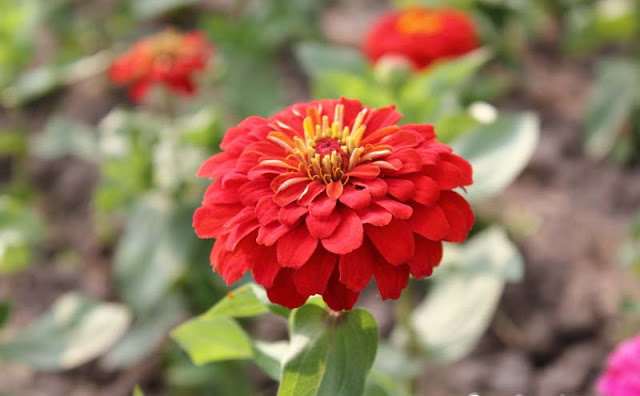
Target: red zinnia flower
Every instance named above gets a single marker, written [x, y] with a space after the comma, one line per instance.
[324, 195]
[622, 375]
[421, 35]
[168, 58]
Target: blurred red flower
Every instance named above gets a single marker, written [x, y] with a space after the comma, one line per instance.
[421, 35]
[168, 58]
[324, 195]
[622, 375]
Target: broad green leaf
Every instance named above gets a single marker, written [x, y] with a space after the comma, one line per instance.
[498, 152]
[74, 331]
[152, 253]
[328, 355]
[63, 137]
[209, 340]
[616, 93]
[459, 308]
[317, 59]
[5, 311]
[146, 334]
[268, 356]
[137, 391]
[241, 302]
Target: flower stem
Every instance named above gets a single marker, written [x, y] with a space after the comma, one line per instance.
[404, 307]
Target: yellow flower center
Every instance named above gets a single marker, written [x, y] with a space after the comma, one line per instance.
[419, 22]
[328, 150]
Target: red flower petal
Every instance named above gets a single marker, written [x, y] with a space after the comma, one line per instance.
[397, 209]
[265, 267]
[354, 198]
[290, 194]
[267, 210]
[375, 215]
[313, 189]
[291, 213]
[295, 247]
[347, 236]
[334, 190]
[337, 295]
[283, 291]
[322, 206]
[356, 268]
[313, 276]
[401, 189]
[458, 214]
[390, 279]
[427, 256]
[427, 191]
[430, 222]
[377, 187]
[365, 171]
[269, 234]
[394, 241]
[323, 227]
[209, 220]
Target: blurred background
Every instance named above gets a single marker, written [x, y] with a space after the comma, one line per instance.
[98, 261]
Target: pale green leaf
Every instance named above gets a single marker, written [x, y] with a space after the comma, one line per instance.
[268, 356]
[74, 331]
[241, 302]
[458, 310]
[64, 137]
[615, 96]
[148, 332]
[498, 152]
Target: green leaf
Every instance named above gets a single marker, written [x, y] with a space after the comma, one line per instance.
[317, 59]
[137, 391]
[74, 331]
[147, 333]
[268, 356]
[458, 310]
[242, 302]
[148, 9]
[5, 312]
[328, 355]
[62, 137]
[213, 339]
[38, 82]
[20, 231]
[616, 93]
[152, 253]
[498, 152]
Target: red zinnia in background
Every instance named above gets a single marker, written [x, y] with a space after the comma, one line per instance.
[622, 375]
[421, 35]
[168, 58]
[324, 195]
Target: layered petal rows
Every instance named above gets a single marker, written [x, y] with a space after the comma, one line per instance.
[325, 195]
[622, 374]
[421, 35]
[168, 58]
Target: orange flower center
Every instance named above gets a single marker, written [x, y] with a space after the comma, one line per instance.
[328, 150]
[419, 22]
[167, 45]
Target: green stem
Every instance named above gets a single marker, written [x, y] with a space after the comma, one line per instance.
[404, 308]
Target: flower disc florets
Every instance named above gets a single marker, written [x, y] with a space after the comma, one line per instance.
[325, 195]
